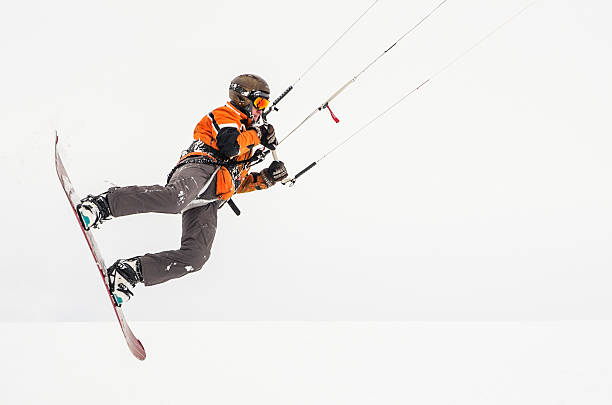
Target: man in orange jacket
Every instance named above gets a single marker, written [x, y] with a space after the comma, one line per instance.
[209, 172]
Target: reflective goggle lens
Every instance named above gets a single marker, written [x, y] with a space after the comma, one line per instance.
[261, 103]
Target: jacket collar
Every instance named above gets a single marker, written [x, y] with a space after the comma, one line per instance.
[236, 110]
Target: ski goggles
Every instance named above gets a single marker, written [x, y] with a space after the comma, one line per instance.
[261, 103]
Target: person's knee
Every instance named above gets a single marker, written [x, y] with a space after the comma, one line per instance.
[178, 197]
[195, 260]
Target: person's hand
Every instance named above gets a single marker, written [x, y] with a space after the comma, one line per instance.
[276, 172]
[267, 136]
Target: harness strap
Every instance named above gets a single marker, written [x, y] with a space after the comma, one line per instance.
[202, 160]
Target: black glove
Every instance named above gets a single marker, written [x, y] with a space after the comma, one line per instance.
[276, 172]
[267, 136]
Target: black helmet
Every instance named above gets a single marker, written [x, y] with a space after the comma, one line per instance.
[244, 89]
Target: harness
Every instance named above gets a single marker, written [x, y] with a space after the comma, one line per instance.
[216, 160]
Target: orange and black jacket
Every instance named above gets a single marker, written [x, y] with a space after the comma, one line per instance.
[226, 131]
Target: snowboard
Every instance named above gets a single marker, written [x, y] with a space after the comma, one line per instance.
[133, 343]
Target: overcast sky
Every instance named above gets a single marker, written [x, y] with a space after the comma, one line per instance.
[483, 196]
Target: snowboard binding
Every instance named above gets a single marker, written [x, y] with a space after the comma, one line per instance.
[93, 210]
[123, 276]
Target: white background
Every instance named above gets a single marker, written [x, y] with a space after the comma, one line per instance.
[483, 363]
[483, 197]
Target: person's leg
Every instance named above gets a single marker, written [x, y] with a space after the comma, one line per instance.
[199, 228]
[188, 181]
[186, 184]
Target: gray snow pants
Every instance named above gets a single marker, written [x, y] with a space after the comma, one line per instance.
[199, 223]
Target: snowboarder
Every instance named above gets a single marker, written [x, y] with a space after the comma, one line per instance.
[208, 173]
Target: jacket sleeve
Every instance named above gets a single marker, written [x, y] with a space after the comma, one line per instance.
[254, 181]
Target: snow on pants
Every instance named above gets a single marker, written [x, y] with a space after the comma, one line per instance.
[199, 223]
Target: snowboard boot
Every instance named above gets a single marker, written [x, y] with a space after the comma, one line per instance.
[93, 210]
[123, 276]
